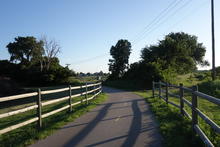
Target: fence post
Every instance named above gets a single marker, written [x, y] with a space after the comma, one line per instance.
[81, 93]
[153, 88]
[101, 87]
[194, 106]
[167, 92]
[181, 98]
[94, 89]
[39, 109]
[159, 89]
[70, 98]
[86, 94]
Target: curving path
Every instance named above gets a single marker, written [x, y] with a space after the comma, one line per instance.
[123, 120]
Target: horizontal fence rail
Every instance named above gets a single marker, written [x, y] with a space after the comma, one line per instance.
[193, 106]
[54, 91]
[18, 111]
[20, 96]
[95, 89]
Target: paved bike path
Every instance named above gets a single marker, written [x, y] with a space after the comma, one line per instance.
[123, 120]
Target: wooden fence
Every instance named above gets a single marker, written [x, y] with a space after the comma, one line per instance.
[193, 105]
[96, 89]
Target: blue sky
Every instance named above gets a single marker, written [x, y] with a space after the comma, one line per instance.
[86, 29]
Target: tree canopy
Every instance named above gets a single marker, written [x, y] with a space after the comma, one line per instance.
[34, 62]
[120, 54]
[180, 51]
[177, 53]
[25, 49]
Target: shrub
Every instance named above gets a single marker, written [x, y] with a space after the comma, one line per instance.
[211, 88]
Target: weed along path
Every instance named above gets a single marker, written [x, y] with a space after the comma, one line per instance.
[123, 120]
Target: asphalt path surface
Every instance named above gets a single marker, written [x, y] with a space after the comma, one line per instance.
[124, 120]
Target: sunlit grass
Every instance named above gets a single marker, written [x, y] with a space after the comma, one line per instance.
[175, 129]
[210, 109]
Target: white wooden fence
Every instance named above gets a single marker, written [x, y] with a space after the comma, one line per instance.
[96, 89]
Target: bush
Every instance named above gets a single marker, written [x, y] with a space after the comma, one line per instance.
[211, 88]
[143, 74]
[32, 76]
[140, 76]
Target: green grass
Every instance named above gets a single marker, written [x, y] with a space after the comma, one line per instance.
[210, 109]
[29, 134]
[175, 129]
[205, 85]
[192, 78]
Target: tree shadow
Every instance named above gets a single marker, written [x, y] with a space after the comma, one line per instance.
[135, 130]
[135, 126]
[83, 133]
[107, 119]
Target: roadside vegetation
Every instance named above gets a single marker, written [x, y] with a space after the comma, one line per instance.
[29, 134]
[176, 54]
[174, 60]
[34, 63]
[175, 129]
[212, 110]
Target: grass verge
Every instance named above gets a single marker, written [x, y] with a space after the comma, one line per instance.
[29, 134]
[208, 108]
[175, 129]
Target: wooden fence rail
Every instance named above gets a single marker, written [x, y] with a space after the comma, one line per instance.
[193, 105]
[96, 89]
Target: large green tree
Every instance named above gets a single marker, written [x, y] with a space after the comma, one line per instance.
[180, 51]
[120, 54]
[25, 49]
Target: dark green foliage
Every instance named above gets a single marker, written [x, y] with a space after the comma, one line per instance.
[201, 76]
[8, 68]
[30, 65]
[177, 53]
[211, 88]
[140, 76]
[180, 51]
[25, 49]
[120, 54]
[218, 72]
[32, 76]
[122, 84]
[143, 74]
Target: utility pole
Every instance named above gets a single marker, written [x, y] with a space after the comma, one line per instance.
[67, 65]
[213, 40]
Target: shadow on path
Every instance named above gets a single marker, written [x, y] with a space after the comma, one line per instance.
[85, 131]
[107, 119]
[135, 126]
[134, 130]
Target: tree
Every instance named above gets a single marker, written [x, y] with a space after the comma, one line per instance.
[120, 54]
[142, 74]
[180, 51]
[52, 48]
[25, 49]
